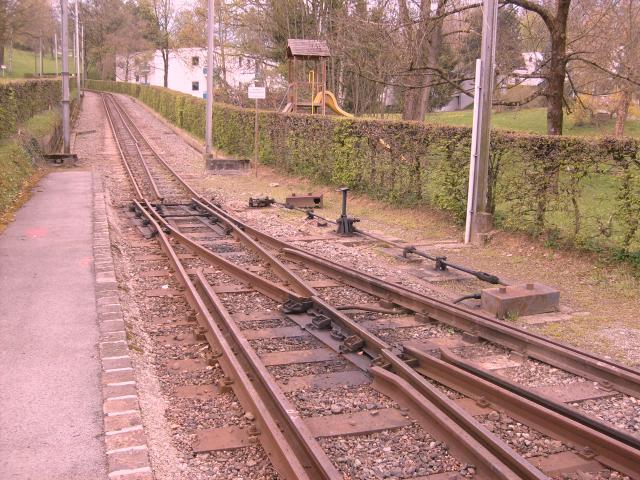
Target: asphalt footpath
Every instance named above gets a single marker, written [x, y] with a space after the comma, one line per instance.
[50, 397]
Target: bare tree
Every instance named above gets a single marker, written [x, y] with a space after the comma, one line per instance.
[160, 17]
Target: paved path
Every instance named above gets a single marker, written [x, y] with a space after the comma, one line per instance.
[50, 400]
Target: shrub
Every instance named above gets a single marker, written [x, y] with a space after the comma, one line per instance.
[585, 192]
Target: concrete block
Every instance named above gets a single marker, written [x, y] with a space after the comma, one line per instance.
[520, 300]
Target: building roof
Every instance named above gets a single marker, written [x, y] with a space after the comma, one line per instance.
[297, 47]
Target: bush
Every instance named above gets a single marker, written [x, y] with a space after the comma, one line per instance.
[586, 192]
[21, 100]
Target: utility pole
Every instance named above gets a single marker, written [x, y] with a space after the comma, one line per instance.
[479, 219]
[55, 48]
[77, 52]
[209, 110]
[82, 54]
[40, 64]
[66, 127]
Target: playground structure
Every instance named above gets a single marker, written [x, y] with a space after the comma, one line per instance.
[309, 94]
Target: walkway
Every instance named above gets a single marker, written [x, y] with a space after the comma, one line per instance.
[50, 399]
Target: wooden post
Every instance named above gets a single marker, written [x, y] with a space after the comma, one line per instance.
[323, 66]
[255, 140]
[295, 85]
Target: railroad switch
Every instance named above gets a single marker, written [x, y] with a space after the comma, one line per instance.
[352, 344]
[261, 202]
[294, 305]
[321, 322]
[345, 223]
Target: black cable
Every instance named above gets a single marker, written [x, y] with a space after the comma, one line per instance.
[474, 296]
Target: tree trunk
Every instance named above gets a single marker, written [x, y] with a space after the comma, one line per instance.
[622, 111]
[1, 54]
[557, 69]
[165, 60]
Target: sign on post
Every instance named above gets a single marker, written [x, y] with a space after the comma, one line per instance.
[257, 93]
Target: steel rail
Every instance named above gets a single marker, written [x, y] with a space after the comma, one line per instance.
[279, 268]
[293, 452]
[558, 407]
[424, 303]
[262, 285]
[134, 182]
[606, 449]
[154, 187]
[492, 457]
[624, 379]
[372, 341]
[449, 309]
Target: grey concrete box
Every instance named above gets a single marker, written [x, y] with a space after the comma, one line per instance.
[520, 300]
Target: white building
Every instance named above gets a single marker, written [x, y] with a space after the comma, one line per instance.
[187, 69]
[532, 65]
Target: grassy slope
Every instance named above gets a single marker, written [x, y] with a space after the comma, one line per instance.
[17, 168]
[23, 63]
[532, 120]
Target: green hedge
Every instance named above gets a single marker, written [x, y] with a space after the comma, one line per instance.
[584, 192]
[21, 100]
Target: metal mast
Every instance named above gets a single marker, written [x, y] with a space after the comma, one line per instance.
[209, 110]
[66, 127]
[77, 51]
[479, 219]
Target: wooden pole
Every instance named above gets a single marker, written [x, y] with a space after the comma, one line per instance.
[255, 140]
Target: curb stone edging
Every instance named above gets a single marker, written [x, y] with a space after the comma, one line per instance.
[125, 441]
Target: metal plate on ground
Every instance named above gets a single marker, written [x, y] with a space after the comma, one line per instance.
[156, 273]
[356, 423]
[297, 356]
[496, 362]
[277, 332]
[574, 392]
[395, 322]
[565, 462]
[351, 378]
[324, 283]
[226, 438]
[232, 289]
[256, 316]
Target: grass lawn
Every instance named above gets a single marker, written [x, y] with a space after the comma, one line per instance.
[532, 120]
[24, 63]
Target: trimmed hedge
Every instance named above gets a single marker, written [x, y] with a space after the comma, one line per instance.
[578, 191]
[21, 100]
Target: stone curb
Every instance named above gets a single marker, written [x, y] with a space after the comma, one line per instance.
[125, 441]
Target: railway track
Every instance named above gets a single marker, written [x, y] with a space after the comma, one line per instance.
[310, 331]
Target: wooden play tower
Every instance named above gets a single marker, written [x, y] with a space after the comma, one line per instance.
[307, 92]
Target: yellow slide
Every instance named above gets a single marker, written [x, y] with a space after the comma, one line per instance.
[331, 102]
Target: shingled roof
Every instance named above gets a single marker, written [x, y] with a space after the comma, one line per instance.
[297, 47]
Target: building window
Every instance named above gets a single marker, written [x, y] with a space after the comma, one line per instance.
[195, 61]
[195, 86]
[137, 78]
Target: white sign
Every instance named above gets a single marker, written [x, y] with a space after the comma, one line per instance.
[259, 93]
